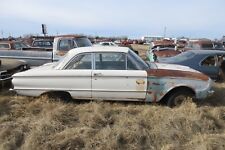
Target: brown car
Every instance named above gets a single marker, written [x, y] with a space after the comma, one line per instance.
[164, 48]
[8, 67]
[14, 45]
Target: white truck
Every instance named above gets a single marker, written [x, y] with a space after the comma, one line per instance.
[37, 57]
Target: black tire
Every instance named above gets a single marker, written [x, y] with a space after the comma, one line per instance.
[178, 97]
[63, 96]
[221, 76]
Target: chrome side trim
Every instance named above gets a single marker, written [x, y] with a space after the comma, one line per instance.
[77, 90]
[29, 58]
[6, 79]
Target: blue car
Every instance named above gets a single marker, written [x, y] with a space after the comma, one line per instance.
[209, 62]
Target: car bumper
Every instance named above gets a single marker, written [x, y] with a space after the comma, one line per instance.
[210, 93]
[206, 92]
[5, 82]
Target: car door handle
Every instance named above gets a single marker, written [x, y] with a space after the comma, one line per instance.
[97, 74]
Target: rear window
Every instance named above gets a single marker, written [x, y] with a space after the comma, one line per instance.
[207, 46]
[83, 42]
[183, 56]
[43, 44]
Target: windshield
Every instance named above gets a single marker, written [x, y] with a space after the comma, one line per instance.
[83, 42]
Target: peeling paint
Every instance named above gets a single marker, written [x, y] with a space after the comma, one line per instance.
[177, 73]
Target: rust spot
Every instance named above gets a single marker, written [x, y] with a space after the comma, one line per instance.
[155, 97]
[149, 92]
[176, 73]
[61, 53]
[163, 42]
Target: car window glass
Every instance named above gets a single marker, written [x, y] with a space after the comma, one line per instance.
[19, 45]
[82, 61]
[183, 56]
[209, 61]
[47, 43]
[221, 59]
[105, 44]
[218, 46]
[4, 46]
[130, 64]
[83, 42]
[110, 61]
[136, 61]
[66, 44]
[207, 46]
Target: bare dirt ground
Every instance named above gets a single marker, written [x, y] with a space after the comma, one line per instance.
[41, 123]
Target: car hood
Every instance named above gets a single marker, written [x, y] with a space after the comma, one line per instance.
[175, 71]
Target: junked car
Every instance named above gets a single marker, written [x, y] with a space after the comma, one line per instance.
[209, 62]
[39, 56]
[8, 67]
[204, 44]
[15, 45]
[113, 73]
[162, 48]
[153, 54]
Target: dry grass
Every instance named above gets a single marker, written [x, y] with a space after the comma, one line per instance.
[142, 49]
[41, 123]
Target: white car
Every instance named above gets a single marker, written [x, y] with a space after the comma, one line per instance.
[113, 73]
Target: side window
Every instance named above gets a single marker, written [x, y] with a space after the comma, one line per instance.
[130, 64]
[82, 61]
[207, 46]
[105, 44]
[35, 43]
[110, 61]
[66, 44]
[209, 61]
[4, 46]
[221, 60]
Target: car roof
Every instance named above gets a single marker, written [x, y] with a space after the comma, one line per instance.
[99, 49]
[71, 36]
[44, 40]
[76, 51]
[207, 51]
[8, 42]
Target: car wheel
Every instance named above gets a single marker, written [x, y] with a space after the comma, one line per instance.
[178, 97]
[63, 96]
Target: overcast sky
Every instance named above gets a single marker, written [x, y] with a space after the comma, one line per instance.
[133, 18]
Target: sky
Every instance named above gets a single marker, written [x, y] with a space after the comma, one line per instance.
[132, 18]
